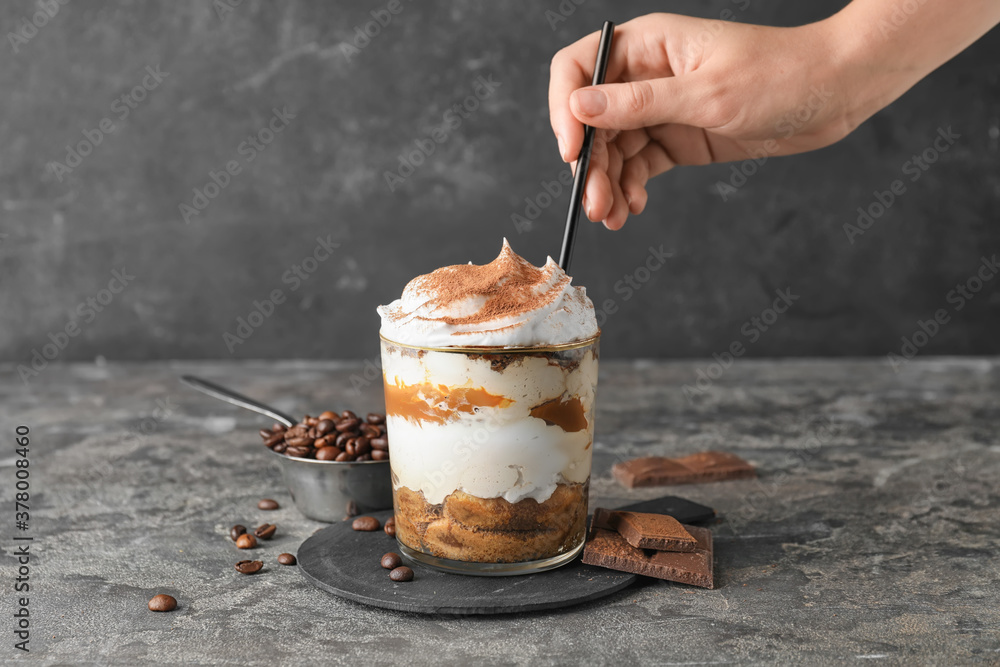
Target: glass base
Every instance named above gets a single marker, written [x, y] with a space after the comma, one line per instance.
[489, 569]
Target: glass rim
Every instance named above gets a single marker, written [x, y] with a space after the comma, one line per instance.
[499, 349]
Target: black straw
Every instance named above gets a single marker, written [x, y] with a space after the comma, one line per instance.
[583, 162]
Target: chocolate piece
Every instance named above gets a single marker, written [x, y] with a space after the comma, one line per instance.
[646, 531]
[700, 467]
[606, 548]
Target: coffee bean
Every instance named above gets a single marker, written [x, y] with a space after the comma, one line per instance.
[265, 531]
[375, 418]
[279, 428]
[349, 447]
[299, 452]
[379, 455]
[352, 509]
[324, 426]
[280, 448]
[249, 566]
[361, 445]
[265, 433]
[364, 457]
[342, 439]
[348, 424]
[301, 441]
[236, 531]
[267, 504]
[369, 431]
[379, 443]
[342, 457]
[286, 559]
[162, 602]
[390, 527]
[401, 573]
[246, 541]
[328, 415]
[366, 523]
[327, 453]
[348, 414]
[391, 561]
[311, 421]
[274, 439]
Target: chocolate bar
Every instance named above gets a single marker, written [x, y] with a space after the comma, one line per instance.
[606, 548]
[700, 467]
[646, 531]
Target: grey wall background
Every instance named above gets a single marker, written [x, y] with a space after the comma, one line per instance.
[323, 176]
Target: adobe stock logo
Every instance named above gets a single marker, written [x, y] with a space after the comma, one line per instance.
[484, 87]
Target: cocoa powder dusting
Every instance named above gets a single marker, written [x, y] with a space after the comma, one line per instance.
[509, 284]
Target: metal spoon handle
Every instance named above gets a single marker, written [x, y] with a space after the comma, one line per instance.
[230, 396]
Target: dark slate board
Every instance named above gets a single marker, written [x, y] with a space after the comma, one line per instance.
[345, 562]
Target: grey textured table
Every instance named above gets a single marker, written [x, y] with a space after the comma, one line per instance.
[871, 534]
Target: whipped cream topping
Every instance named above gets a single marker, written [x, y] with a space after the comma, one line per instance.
[506, 303]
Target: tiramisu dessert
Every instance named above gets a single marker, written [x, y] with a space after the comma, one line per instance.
[490, 373]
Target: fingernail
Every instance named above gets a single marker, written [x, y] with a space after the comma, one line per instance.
[586, 205]
[628, 199]
[562, 148]
[591, 102]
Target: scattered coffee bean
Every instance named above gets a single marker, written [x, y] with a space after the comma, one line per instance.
[391, 561]
[390, 527]
[236, 531]
[267, 504]
[286, 559]
[401, 573]
[162, 602]
[366, 523]
[246, 541]
[265, 531]
[249, 566]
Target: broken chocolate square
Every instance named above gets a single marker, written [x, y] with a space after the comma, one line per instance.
[646, 531]
[700, 467]
[606, 548]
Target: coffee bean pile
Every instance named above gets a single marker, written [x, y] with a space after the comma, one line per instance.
[332, 437]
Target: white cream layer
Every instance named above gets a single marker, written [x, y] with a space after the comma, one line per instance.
[496, 452]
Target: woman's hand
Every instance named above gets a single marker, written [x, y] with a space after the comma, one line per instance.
[686, 91]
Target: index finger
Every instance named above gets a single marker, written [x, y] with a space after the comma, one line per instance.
[569, 71]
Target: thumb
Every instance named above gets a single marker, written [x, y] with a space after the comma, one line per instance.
[636, 104]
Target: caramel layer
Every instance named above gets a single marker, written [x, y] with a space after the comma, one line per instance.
[437, 403]
[568, 415]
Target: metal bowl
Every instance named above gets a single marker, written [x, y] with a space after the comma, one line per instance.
[330, 491]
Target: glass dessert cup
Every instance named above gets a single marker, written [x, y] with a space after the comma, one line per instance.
[491, 456]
